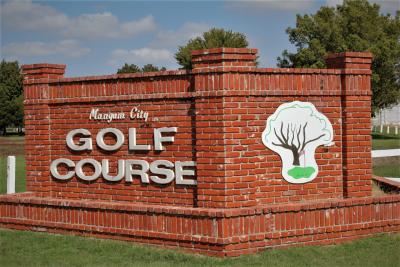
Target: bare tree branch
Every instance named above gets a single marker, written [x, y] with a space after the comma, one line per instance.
[279, 138]
[298, 138]
[281, 145]
[283, 135]
[304, 136]
[312, 140]
[293, 134]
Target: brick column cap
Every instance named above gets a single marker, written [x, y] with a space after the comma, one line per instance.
[224, 57]
[365, 54]
[42, 71]
[349, 60]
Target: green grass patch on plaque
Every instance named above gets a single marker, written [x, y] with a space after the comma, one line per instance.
[301, 172]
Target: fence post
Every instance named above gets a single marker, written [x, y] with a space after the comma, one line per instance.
[10, 174]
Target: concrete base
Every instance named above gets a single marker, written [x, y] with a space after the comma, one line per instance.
[216, 232]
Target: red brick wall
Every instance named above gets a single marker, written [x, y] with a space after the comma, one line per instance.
[217, 232]
[220, 109]
[241, 203]
[248, 157]
[65, 118]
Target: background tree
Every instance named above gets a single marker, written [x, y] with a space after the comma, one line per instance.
[152, 68]
[212, 39]
[129, 68]
[132, 68]
[11, 96]
[354, 26]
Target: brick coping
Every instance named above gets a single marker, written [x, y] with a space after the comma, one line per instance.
[218, 69]
[386, 181]
[30, 198]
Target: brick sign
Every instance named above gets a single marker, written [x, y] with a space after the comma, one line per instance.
[224, 159]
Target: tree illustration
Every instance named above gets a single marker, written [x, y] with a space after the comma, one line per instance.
[294, 139]
[294, 131]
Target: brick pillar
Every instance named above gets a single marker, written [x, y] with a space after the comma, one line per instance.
[356, 120]
[37, 125]
[211, 70]
[224, 57]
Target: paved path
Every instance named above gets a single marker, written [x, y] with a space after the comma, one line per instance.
[393, 179]
[385, 153]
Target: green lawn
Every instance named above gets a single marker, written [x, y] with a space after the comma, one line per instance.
[387, 170]
[385, 141]
[42, 249]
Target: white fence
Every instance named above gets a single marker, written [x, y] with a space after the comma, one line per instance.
[386, 129]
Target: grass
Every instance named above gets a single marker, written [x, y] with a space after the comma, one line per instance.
[42, 249]
[387, 170]
[385, 141]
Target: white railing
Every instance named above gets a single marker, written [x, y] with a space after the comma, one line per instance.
[388, 129]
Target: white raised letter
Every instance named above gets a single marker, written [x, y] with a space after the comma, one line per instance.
[79, 169]
[87, 141]
[56, 174]
[180, 172]
[105, 170]
[144, 167]
[118, 134]
[159, 139]
[132, 141]
[169, 174]
[93, 113]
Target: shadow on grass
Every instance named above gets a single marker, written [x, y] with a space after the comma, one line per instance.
[384, 136]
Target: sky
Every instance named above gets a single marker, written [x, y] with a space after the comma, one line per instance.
[98, 37]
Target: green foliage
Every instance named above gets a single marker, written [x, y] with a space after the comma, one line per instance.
[354, 26]
[132, 68]
[11, 95]
[11, 78]
[152, 68]
[214, 38]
